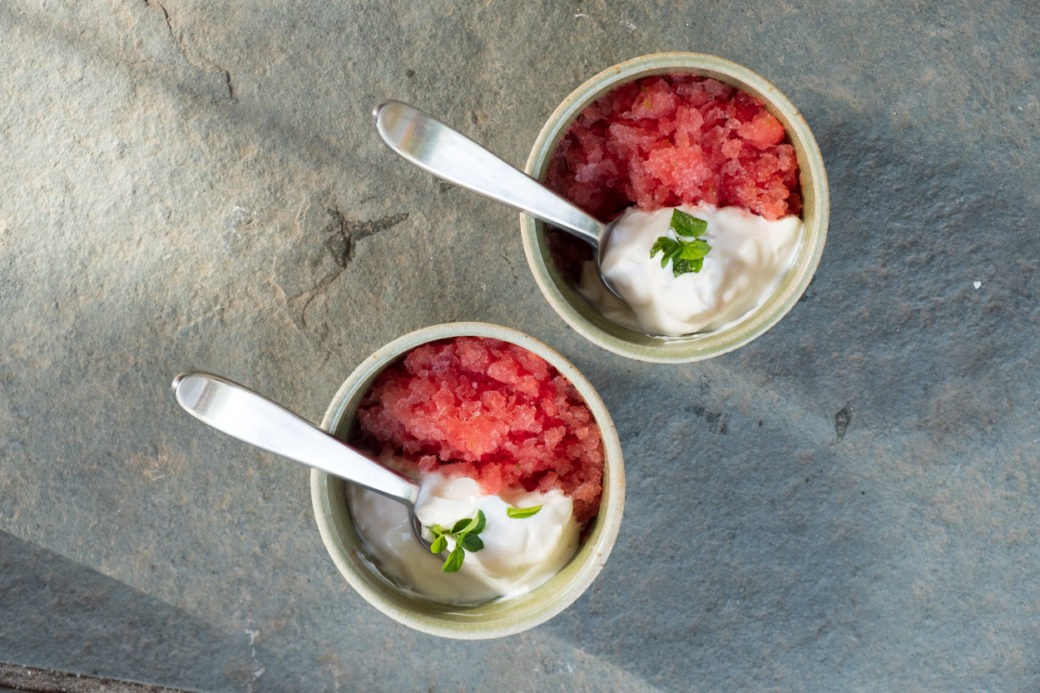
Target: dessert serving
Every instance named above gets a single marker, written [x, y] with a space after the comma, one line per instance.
[715, 197]
[664, 153]
[499, 441]
[521, 481]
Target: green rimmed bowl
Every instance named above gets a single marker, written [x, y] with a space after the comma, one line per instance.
[559, 290]
[493, 619]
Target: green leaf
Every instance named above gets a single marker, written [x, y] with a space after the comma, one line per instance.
[439, 544]
[473, 525]
[668, 247]
[454, 561]
[687, 225]
[660, 245]
[685, 255]
[481, 521]
[471, 542]
[465, 533]
[680, 267]
[694, 250]
[520, 513]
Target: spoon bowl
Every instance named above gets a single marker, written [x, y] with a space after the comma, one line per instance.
[251, 417]
[438, 149]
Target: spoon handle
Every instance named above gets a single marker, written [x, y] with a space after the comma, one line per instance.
[243, 414]
[437, 149]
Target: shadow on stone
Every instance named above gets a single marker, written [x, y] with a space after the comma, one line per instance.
[61, 615]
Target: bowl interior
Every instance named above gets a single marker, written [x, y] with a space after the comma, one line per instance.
[491, 619]
[585, 318]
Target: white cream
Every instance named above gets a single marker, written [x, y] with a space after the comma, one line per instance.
[519, 554]
[749, 256]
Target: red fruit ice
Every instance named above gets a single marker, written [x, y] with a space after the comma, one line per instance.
[676, 139]
[491, 411]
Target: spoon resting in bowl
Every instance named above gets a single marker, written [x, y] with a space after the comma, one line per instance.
[250, 417]
[436, 148]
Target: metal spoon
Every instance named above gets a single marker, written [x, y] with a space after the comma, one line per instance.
[437, 149]
[248, 416]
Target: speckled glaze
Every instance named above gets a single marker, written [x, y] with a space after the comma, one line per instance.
[491, 620]
[582, 316]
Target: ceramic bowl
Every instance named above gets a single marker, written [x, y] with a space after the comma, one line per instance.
[560, 291]
[487, 620]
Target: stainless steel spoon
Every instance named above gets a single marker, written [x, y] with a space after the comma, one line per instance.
[437, 149]
[248, 416]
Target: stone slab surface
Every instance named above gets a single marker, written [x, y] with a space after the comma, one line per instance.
[848, 503]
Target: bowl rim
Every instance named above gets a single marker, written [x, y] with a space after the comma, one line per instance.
[581, 316]
[494, 619]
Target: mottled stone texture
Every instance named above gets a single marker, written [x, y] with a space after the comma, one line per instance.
[850, 502]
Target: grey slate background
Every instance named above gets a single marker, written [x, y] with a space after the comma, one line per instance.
[847, 503]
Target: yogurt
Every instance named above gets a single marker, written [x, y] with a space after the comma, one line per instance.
[748, 258]
[519, 554]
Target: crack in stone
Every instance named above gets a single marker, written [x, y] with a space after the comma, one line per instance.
[184, 51]
[230, 88]
[166, 18]
[342, 235]
[511, 267]
[345, 233]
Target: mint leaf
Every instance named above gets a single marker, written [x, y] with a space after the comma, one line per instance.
[454, 561]
[520, 513]
[680, 267]
[481, 521]
[472, 526]
[687, 225]
[464, 532]
[439, 544]
[694, 250]
[685, 256]
[471, 542]
[662, 245]
[667, 247]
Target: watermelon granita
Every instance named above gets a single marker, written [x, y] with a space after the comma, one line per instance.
[704, 191]
[501, 444]
[488, 410]
[675, 140]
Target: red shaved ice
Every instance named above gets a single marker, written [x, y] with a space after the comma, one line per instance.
[670, 140]
[488, 410]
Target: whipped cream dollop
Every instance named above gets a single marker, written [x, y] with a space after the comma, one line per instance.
[748, 258]
[519, 554]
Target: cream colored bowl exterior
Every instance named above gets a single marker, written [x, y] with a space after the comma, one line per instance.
[580, 315]
[495, 619]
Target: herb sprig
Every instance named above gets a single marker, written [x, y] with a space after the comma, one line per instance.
[465, 533]
[685, 255]
[520, 513]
